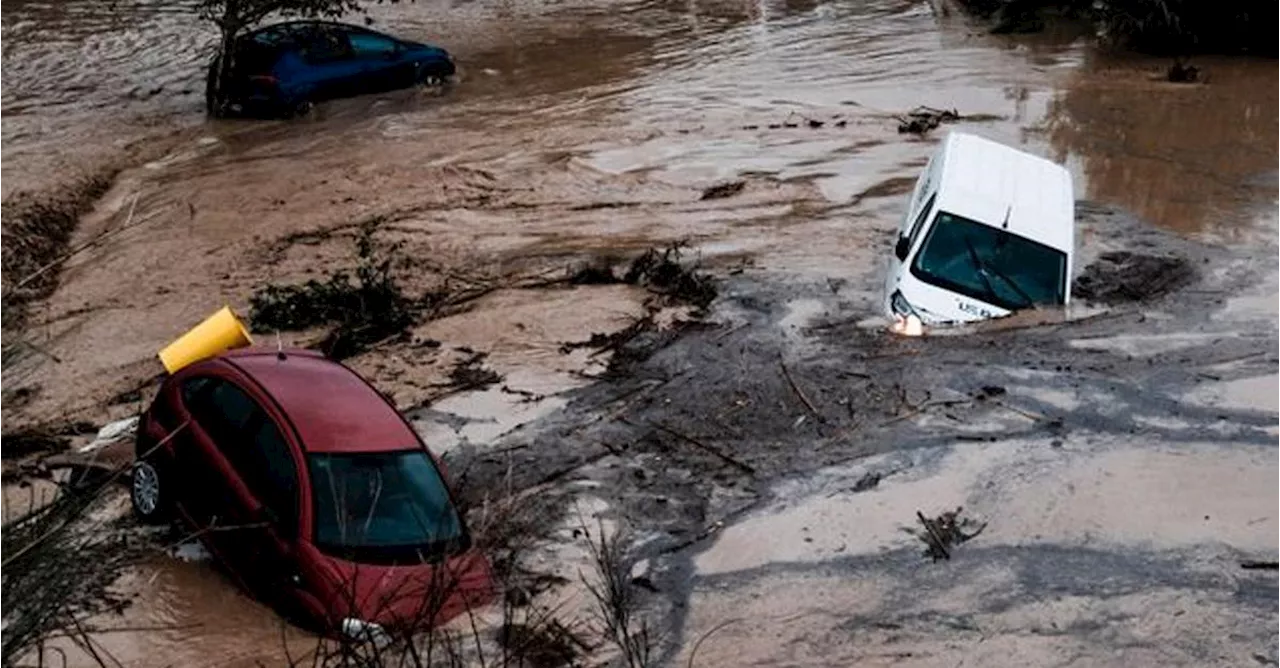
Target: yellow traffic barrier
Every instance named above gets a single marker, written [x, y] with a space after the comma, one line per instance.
[219, 332]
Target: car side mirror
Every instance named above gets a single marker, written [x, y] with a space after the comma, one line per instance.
[901, 248]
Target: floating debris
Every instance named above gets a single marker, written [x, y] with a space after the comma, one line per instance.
[723, 190]
[471, 374]
[664, 272]
[867, 482]
[1123, 276]
[946, 531]
[1180, 73]
[922, 120]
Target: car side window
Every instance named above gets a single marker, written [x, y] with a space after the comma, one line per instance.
[369, 45]
[220, 408]
[921, 217]
[227, 413]
[251, 441]
[325, 45]
[275, 475]
[193, 390]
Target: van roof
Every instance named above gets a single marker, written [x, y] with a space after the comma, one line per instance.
[990, 182]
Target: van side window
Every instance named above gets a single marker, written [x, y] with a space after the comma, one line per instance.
[921, 217]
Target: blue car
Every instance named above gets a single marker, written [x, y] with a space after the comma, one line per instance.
[281, 69]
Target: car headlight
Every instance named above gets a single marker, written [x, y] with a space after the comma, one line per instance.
[901, 306]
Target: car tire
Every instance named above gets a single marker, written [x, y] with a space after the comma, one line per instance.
[300, 108]
[432, 76]
[147, 492]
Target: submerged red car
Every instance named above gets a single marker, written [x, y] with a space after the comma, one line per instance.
[309, 487]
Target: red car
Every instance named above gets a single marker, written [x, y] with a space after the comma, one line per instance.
[310, 488]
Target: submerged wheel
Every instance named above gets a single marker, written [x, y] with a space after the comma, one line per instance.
[147, 493]
[300, 108]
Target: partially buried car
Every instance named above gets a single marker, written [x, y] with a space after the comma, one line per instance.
[311, 489]
[282, 69]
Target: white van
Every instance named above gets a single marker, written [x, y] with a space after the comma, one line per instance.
[988, 230]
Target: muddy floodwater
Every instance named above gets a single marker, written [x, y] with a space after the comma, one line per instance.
[584, 129]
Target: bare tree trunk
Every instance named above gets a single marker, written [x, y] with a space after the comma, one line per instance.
[229, 27]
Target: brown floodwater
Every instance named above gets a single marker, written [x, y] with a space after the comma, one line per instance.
[576, 128]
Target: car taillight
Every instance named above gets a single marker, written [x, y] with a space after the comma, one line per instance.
[264, 79]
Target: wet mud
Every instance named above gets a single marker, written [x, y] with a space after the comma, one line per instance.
[733, 449]
[1122, 276]
[779, 505]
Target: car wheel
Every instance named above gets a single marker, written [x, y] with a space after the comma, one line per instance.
[147, 492]
[301, 108]
[431, 76]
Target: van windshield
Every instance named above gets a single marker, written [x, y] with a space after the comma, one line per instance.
[382, 507]
[990, 264]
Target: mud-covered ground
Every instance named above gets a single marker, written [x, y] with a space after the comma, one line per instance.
[1122, 459]
[761, 460]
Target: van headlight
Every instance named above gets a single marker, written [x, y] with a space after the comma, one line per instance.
[901, 306]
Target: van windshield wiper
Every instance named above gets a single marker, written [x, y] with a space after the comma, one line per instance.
[1028, 300]
[984, 268]
[979, 267]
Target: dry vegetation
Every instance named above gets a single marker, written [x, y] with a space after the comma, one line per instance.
[1163, 27]
[37, 228]
[61, 553]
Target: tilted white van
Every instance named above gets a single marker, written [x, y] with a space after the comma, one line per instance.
[989, 230]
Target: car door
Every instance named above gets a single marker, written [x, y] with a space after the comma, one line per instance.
[213, 497]
[383, 61]
[269, 467]
[331, 69]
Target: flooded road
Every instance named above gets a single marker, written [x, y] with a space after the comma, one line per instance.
[577, 129]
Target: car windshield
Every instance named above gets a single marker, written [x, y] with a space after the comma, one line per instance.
[383, 506]
[990, 264]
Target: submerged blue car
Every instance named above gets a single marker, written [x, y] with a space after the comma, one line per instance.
[281, 69]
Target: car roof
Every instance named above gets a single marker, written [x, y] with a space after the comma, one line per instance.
[333, 409]
[290, 27]
[993, 183]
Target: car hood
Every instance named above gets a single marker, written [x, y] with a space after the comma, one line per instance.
[412, 596]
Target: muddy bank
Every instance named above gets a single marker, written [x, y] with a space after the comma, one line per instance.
[38, 227]
[1175, 29]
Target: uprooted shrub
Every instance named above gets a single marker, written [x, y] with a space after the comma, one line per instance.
[664, 272]
[661, 271]
[361, 310]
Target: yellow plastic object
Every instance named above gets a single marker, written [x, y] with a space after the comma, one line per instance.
[220, 331]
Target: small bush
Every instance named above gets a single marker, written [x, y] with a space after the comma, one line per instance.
[664, 272]
[364, 309]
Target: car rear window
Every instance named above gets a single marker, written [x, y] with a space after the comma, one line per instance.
[254, 57]
[383, 507]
